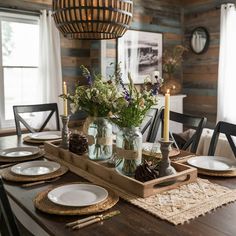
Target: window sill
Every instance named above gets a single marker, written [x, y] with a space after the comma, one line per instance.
[7, 132]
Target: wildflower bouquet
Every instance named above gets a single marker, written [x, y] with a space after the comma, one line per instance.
[171, 60]
[98, 99]
[131, 109]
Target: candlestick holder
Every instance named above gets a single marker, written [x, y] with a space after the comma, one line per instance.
[165, 167]
[65, 132]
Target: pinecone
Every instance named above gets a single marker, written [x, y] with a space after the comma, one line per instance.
[146, 172]
[78, 143]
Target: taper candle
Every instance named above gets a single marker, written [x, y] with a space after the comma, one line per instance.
[65, 100]
[167, 116]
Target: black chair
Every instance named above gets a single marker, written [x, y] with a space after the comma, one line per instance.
[224, 128]
[49, 107]
[150, 119]
[8, 226]
[189, 121]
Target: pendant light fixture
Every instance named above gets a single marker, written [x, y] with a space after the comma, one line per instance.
[92, 19]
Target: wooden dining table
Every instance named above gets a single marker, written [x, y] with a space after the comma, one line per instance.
[131, 221]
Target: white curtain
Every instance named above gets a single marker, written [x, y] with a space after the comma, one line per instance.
[50, 72]
[227, 65]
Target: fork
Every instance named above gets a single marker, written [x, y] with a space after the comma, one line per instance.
[7, 165]
[40, 182]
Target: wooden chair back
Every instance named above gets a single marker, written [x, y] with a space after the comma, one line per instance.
[225, 128]
[194, 122]
[8, 226]
[48, 107]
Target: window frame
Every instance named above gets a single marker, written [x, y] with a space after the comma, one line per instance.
[19, 18]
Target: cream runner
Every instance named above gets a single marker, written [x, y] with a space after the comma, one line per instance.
[177, 206]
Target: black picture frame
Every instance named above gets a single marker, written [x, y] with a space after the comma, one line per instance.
[146, 56]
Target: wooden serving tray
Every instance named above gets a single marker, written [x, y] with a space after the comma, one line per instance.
[77, 163]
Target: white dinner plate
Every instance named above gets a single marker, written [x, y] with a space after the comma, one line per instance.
[35, 168]
[78, 195]
[214, 163]
[48, 135]
[19, 152]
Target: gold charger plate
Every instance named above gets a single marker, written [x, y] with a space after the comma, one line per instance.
[231, 173]
[42, 203]
[10, 176]
[27, 139]
[19, 159]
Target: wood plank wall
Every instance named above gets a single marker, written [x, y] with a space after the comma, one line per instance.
[175, 19]
[200, 72]
[153, 16]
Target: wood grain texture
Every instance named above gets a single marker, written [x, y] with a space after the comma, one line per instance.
[200, 72]
[154, 16]
[81, 163]
[132, 221]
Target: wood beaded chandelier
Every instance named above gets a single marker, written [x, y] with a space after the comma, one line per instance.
[92, 19]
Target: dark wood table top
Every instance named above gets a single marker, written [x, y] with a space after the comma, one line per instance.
[131, 221]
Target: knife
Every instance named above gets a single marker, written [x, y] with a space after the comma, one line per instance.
[91, 220]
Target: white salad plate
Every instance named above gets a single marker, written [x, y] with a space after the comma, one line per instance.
[48, 135]
[19, 152]
[213, 163]
[78, 195]
[35, 168]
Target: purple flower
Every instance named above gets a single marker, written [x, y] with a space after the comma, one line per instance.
[126, 95]
[86, 74]
[89, 80]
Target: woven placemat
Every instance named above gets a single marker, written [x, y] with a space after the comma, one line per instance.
[27, 139]
[19, 159]
[187, 202]
[10, 176]
[217, 173]
[42, 203]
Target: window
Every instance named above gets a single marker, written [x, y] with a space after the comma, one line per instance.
[19, 53]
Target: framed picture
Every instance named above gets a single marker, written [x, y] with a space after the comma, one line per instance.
[140, 54]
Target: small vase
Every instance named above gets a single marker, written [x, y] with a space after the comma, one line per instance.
[171, 83]
[129, 150]
[99, 136]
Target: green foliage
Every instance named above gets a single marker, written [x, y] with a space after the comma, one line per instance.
[98, 98]
[132, 109]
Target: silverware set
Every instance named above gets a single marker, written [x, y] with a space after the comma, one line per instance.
[79, 224]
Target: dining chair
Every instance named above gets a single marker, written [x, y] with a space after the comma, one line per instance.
[189, 121]
[48, 107]
[223, 128]
[8, 226]
[148, 121]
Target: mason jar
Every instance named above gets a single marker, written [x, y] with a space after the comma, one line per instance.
[100, 141]
[128, 150]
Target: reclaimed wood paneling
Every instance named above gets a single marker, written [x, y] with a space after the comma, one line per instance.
[153, 16]
[27, 4]
[200, 72]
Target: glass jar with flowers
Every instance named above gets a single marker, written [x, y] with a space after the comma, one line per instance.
[171, 62]
[131, 109]
[97, 98]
